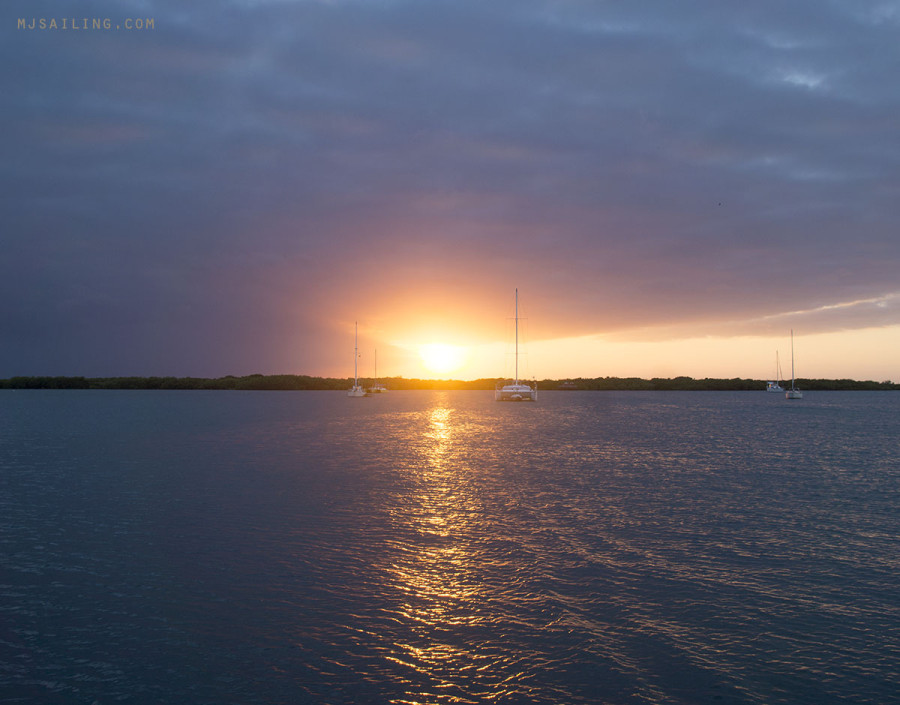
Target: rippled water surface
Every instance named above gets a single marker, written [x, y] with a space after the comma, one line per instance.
[439, 547]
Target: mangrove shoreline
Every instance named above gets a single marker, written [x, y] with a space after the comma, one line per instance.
[259, 382]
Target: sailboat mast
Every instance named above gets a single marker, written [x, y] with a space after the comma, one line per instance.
[517, 335]
[792, 358]
[355, 353]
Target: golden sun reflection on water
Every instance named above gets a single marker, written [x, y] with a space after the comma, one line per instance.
[437, 572]
[440, 435]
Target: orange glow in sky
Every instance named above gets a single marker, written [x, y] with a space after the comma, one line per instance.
[441, 358]
[862, 354]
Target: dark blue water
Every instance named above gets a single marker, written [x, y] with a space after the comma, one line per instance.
[434, 547]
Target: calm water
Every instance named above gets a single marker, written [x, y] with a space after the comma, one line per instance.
[435, 547]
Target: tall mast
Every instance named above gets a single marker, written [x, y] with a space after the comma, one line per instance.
[355, 353]
[792, 358]
[517, 335]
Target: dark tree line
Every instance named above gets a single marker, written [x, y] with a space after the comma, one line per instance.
[708, 384]
[305, 382]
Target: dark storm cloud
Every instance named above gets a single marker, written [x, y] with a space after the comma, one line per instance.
[177, 200]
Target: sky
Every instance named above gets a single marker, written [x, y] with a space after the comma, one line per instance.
[231, 189]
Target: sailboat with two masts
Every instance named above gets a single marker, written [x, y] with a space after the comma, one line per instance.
[356, 390]
[793, 392]
[516, 391]
[775, 385]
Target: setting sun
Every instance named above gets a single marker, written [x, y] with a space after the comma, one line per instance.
[441, 358]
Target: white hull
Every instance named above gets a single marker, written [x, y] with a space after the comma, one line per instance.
[515, 392]
[774, 387]
[793, 394]
[356, 391]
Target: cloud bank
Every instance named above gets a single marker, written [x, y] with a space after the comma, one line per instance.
[227, 191]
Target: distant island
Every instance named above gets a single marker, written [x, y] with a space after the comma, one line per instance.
[259, 382]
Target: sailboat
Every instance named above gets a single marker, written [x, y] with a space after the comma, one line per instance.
[516, 391]
[775, 386]
[377, 388]
[356, 390]
[793, 392]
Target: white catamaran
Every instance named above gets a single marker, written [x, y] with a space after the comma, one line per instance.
[356, 390]
[516, 391]
[793, 392]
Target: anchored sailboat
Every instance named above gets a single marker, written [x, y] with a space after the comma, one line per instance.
[377, 388]
[516, 391]
[356, 390]
[793, 392]
[775, 386]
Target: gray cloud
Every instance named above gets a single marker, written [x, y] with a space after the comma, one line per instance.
[177, 198]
